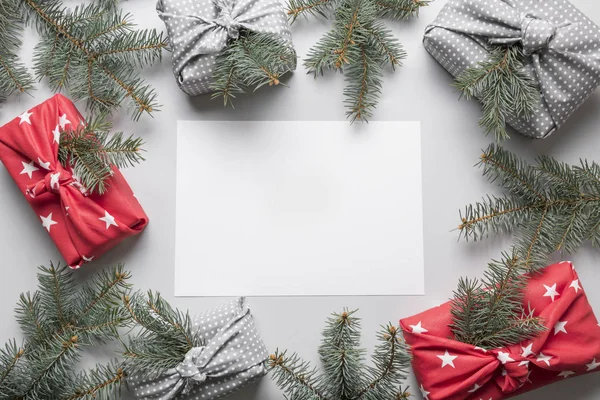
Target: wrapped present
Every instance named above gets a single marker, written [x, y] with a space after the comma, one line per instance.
[232, 355]
[561, 44]
[450, 370]
[200, 30]
[82, 225]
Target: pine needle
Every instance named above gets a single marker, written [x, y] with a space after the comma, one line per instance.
[344, 376]
[503, 87]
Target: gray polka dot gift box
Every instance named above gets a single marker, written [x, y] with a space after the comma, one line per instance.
[232, 355]
[201, 32]
[561, 47]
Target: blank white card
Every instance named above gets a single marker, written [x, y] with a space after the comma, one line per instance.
[298, 208]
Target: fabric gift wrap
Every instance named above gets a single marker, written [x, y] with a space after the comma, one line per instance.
[233, 355]
[82, 225]
[199, 30]
[570, 346]
[561, 44]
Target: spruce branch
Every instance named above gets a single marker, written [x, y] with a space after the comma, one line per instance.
[92, 152]
[14, 77]
[92, 52]
[503, 87]
[165, 334]
[358, 44]
[344, 376]
[59, 320]
[489, 313]
[252, 61]
[550, 206]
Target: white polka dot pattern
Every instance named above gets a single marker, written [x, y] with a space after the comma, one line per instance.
[562, 44]
[233, 355]
[198, 31]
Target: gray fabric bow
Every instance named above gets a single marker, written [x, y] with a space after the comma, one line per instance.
[233, 355]
[199, 30]
[562, 44]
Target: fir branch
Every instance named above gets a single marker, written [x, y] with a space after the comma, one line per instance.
[359, 45]
[92, 152]
[102, 382]
[296, 377]
[550, 206]
[489, 313]
[504, 88]
[10, 359]
[252, 61]
[296, 8]
[341, 356]
[389, 366]
[165, 335]
[400, 9]
[14, 77]
[95, 51]
[344, 377]
[30, 317]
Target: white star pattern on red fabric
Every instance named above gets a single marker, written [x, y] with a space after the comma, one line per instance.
[480, 348]
[560, 327]
[593, 365]
[108, 219]
[504, 357]
[56, 135]
[418, 328]
[524, 362]
[447, 359]
[25, 117]
[86, 259]
[54, 180]
[551, 292]
[63, 121]
[566, 374]
[527, 351]
[28, 168]
[575, 285]
[544, 358]
[476, 387]
[424, 393]
[47, 222]
[45, 165]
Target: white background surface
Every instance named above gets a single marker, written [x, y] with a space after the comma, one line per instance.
[297, 199]
[420, 91]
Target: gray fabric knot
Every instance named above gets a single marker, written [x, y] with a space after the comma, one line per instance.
[536, 34]
[231, 26]
[189, 371]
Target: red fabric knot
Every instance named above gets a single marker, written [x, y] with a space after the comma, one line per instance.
[513, 370]
[51, 183]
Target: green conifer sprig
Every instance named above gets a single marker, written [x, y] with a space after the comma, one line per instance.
[14, 77]
[550, 206]
[165, 335]
[91, 51]
[92, 152]
[358, 45]
[489, 313]
[59, 320]
[503, 87]
[344, 376]
[252, 61]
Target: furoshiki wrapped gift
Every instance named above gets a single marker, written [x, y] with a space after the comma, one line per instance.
[561, 46]
[447, 369]
[83, 225]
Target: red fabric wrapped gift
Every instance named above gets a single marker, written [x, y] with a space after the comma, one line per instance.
[82, 225]
[450, 370]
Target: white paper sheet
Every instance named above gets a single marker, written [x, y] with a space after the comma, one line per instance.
[298, 208]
